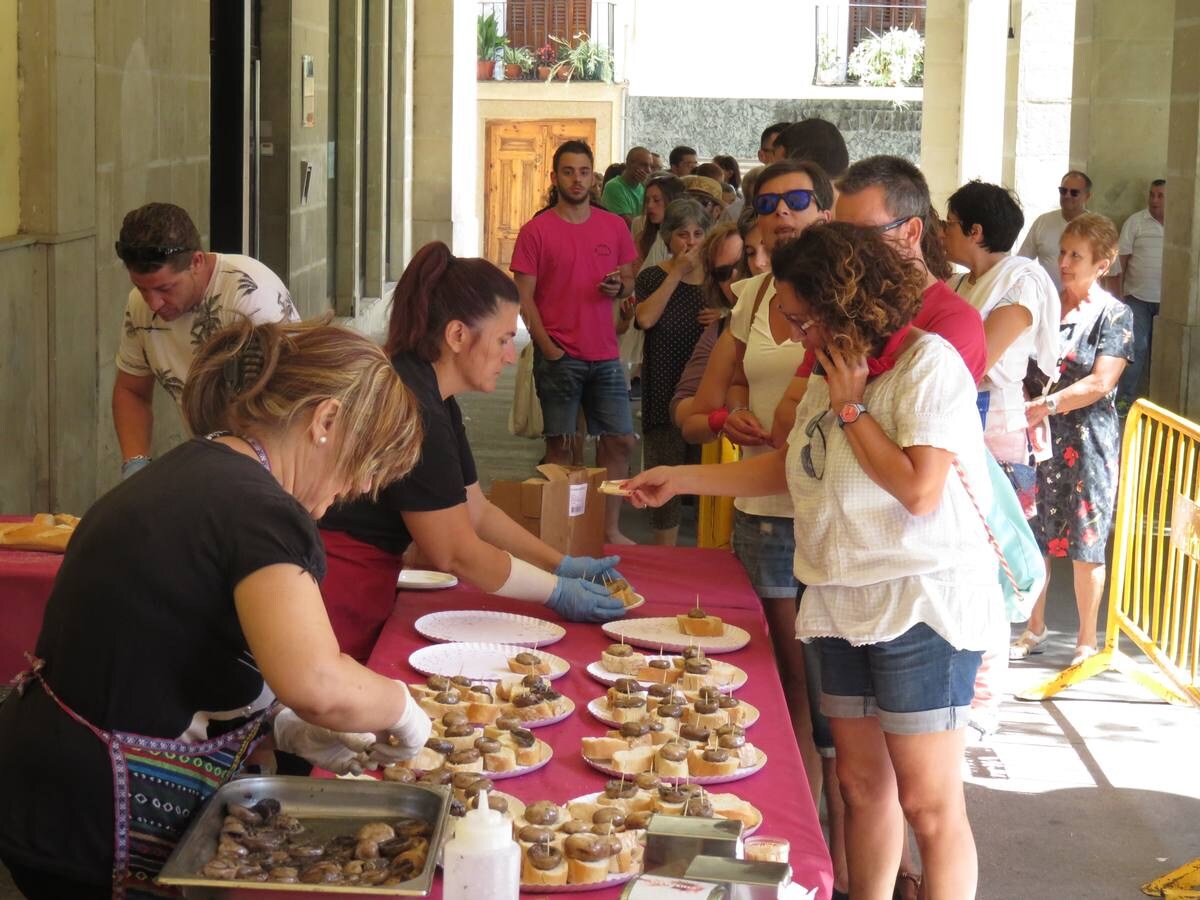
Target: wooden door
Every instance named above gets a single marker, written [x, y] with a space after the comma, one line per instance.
[519, 153]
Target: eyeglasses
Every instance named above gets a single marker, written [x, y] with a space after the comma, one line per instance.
[812, 456]
[798, 322]
[1064, 191]
[895, 223]
[146, 253]
[706, 201]
[723, 273]
[946, 223]
[797, 201]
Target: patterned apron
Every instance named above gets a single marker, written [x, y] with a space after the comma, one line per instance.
[157, 786]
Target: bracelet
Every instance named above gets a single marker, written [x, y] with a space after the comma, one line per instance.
[125, 463]
[716, 420]
[738, 409]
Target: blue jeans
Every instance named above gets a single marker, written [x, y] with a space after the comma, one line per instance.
[1135, 379]
[565, 384]
[915, 684]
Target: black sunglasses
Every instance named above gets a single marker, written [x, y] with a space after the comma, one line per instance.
[797, 201]
[146, 253]
[1063, 191]
[723, 273]
[814, 467]
[895, 223]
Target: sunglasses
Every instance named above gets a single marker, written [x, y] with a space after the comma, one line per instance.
[146, 253]
[1064, 191]
[722, 274]
[813, 460]
[797, 201]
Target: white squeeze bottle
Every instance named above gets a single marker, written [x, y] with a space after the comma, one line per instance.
[482, 859]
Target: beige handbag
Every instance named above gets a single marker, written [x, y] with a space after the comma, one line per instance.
[525, 416]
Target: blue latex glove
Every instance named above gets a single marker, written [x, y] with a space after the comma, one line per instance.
[132, 466]
[583, 601]
[603, 569]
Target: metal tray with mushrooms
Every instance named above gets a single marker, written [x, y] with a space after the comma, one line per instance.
[328, 811]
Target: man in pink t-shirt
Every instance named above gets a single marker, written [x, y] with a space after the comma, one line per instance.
[571, 262]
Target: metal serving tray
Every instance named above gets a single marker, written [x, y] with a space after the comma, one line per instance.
[327, 807]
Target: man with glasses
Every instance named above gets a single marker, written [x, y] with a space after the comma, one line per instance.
[683, 160]
[768, 152]
[1041, 243]
[181, 296]
[890, 194]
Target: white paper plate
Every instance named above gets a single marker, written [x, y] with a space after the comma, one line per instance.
[478, 661]
[599, 709]
[484, 625]
[663, 632]
[610, 881]
[591, 798]
[600, 766]
[601, 674]
[424, 580]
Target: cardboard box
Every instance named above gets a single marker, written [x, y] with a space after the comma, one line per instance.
[564, 507]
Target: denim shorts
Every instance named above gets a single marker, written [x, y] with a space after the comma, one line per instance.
[565, 384]
[915, 684]
[766, 548]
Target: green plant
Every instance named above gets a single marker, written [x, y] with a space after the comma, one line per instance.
[519, 56]
[587, 59]
[893, 59]
[828, 58]
[488, 38]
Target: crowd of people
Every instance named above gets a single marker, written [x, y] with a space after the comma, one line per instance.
[809, 310]
[864, 350]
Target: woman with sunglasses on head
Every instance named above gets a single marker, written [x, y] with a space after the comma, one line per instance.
[670, 303]
[188, 607]
[901, 581]
[452, 327]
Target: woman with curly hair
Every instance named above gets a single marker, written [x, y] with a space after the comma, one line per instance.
[1077, 485]
[902, 591]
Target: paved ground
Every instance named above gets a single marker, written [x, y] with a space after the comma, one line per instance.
[1086, 796]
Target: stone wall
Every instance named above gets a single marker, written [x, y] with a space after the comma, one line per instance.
[733, 126]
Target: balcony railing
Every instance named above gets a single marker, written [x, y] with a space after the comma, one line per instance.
[876, 43]
[548, 38]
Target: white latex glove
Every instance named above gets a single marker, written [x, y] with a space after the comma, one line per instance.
[405, 739]
[340, 752]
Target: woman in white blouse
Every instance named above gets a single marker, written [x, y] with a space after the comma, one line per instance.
[902, 589]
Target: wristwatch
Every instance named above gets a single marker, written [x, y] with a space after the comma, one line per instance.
[1051, 404]
[849, 413]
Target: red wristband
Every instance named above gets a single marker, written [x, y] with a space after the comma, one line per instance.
[716, 420]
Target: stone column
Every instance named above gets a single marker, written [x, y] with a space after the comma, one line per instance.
[57, 52]
[1175, 366]
[375, 179]
[400, 140]
[1037, 132]
[347, 270]
[1121, 94]
[941, 107]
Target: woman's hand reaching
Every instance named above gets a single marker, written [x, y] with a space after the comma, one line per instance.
[654, 487]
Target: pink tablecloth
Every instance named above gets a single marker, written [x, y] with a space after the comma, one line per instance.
[670, 580]
[26, 578]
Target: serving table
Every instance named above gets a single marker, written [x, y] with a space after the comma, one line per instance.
[26, 578]
[670, 579]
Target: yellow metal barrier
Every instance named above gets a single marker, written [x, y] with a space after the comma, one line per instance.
[1182, 883]
[1153, 594]
[714, 516]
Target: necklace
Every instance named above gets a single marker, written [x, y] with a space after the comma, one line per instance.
[252, 442]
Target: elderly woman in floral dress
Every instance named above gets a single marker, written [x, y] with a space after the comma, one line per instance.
[1077, 486]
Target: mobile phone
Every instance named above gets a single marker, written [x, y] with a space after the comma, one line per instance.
[818, 370]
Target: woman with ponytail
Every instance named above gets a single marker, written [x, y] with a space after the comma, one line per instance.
[187, 609]
[452, 328]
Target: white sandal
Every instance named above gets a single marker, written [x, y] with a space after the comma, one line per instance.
[1083, 653]
[1028, 644]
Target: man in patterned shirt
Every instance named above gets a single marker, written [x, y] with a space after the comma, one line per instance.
[181, 296]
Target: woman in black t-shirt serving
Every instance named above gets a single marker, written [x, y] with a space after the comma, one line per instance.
[452, 328]
[187, 602]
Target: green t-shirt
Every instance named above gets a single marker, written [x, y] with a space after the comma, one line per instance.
[620, 198]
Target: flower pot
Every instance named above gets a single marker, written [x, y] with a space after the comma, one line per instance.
[563, 73]
[484, 69]
[512, 72]
[543, 73]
